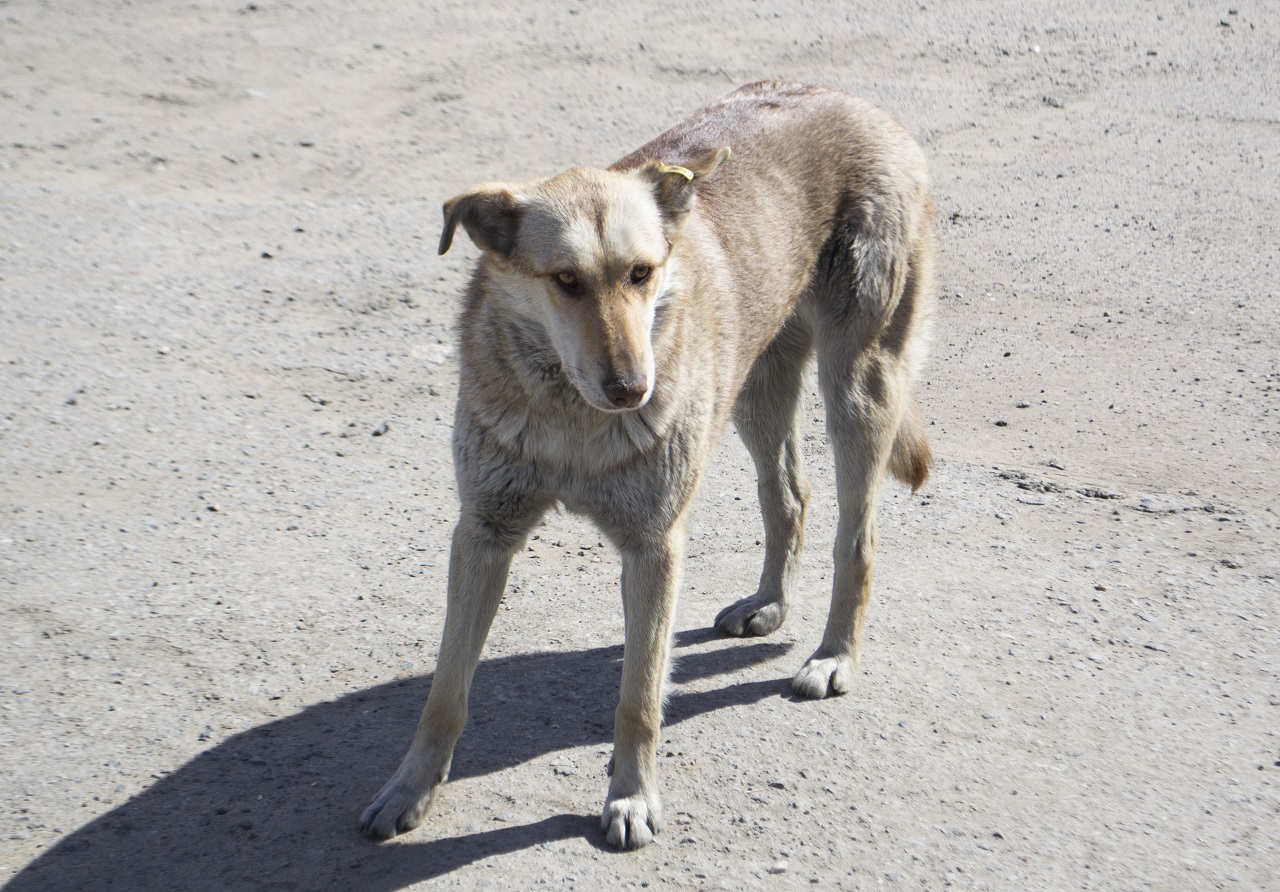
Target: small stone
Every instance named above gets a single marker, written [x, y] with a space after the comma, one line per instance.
[380, 430]
[165, 351]
[780, 867]
[1154, 504]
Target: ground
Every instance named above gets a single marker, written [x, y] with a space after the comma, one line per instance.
[226, 390]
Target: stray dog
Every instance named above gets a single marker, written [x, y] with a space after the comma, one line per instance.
[615, 323]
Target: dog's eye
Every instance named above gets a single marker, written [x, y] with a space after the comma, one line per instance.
[568, 280]
[639, 273]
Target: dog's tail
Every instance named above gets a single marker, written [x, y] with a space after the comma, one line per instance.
[911, 456]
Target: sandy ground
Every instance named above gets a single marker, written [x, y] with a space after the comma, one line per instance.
[221, 594]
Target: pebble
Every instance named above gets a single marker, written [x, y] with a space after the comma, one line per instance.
[780, 867]
[1152, 504]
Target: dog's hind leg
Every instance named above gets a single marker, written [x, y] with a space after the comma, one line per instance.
[873, 328]
[766, 418]
[478, 565]
[862, 418]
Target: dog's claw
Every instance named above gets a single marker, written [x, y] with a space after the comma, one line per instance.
[824, 676]
[397, 809]
[754, 616]
[631, 822]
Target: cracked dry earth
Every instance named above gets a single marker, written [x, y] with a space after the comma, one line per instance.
[226, 389]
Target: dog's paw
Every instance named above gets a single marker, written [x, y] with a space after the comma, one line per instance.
[824, 676]
[630, 822]
[756, 615]
[399, 808]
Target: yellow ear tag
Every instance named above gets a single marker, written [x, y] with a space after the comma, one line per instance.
[676, 168]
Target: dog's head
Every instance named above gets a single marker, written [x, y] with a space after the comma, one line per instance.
[586, 255]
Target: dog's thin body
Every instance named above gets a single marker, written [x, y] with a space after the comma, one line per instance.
[617, 322]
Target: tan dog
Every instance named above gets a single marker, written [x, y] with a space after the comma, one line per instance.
[616, 322]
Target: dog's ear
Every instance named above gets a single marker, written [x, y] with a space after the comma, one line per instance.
[675, 185]
[490, 214]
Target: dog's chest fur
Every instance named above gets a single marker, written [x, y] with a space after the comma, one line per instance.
[518, 409]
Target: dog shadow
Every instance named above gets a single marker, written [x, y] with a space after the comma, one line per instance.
[275, 807]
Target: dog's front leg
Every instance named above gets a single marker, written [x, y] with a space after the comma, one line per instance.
[650, 580]
[478, 565]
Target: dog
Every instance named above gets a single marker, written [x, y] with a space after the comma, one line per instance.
[617, 321]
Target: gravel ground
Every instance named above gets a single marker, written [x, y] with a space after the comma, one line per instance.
[226, 390]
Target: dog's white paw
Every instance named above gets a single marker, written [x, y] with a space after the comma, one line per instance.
[399, 808]
[824, 676]
[756, 615]
[630, 822]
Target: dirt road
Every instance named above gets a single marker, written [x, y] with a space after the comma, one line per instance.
[226, 390]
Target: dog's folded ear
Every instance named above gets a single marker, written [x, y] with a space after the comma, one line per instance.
[490, 214]
[675, 185]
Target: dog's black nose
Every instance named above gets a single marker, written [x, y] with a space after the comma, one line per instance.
[626, 393]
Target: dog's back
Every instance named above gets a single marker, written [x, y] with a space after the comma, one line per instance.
[825, 211]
